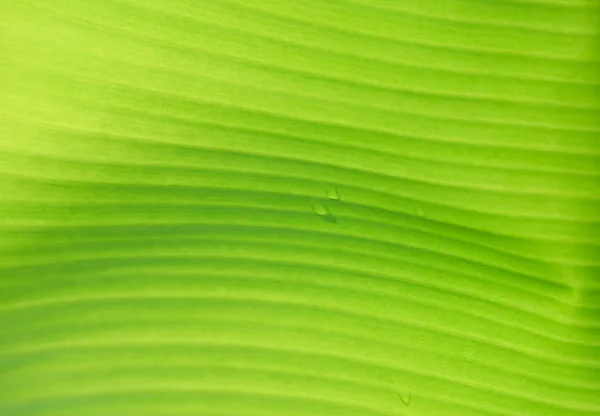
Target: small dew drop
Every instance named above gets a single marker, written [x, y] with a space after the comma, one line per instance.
[470, 351]
[333, 194]
[405, 397]
[420, 211]
[324, 212]
[320, 209]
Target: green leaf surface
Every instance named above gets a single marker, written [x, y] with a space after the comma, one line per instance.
[298, 208]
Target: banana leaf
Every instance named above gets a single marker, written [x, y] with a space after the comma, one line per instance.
[294, 208]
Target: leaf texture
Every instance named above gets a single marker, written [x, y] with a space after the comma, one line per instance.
[293, 208]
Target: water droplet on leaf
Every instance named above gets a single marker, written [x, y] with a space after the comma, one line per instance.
[332, 193]
[324, 212]
[405, 396]
[420, 211]
[470, 351]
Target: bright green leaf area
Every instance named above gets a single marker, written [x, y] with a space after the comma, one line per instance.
[300, 208]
